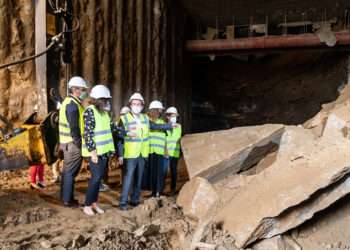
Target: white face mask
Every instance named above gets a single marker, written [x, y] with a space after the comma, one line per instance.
[173, 119]
[107, 106]
[136, 109]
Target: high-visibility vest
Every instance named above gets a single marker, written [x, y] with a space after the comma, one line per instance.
[63, 125]
[173, 142]
[103, 137]
[138, 146]
[157, 140]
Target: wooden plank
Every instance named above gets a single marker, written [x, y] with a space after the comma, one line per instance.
[40, 62]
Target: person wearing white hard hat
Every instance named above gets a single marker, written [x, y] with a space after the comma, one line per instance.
[70, 129]
[153, 174]
[173, 150]
[97, 144]
[135, 150]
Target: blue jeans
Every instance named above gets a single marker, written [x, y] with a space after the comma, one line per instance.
[71, 167]
[97, 172]
[134, 172]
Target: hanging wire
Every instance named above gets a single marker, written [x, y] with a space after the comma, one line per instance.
[54, 40]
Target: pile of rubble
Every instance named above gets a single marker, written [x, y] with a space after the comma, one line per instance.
[258, 183]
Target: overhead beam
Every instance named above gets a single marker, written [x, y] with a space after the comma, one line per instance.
[262, 43]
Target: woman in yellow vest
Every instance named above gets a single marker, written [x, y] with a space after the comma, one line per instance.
[153, 176]
[172, 147]
[97, 144]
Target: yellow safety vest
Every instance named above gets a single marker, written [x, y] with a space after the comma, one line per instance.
[103, 137]
[63, 126]
[173, 142]
[157, 140]
[138, 146]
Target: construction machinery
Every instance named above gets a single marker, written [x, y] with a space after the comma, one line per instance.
[30, 143]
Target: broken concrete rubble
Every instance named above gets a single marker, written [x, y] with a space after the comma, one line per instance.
[307, 209]
[250, 214]
[197, 197]
[215, 155]
[284, 242]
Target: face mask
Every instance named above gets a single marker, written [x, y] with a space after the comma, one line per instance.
[136, 109]
[107, 107]
[83, 95]
[173, 119]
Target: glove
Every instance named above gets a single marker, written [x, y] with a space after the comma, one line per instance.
[131, 134]
[94, 157]
[120, 161]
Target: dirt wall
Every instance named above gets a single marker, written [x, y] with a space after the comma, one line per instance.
[130, 46]
[17, 85]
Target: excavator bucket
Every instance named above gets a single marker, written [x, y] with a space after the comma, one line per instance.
[29, 144]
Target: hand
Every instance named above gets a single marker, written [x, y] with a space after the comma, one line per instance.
[174, 125]
[131, 134]
[94, 157]
[120, 161]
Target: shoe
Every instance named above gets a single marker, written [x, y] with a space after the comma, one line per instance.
[34, 186]
[56, 180]
[75, 202]
[88, 211]
[134, 204]
[71, 205]
[123, 208]
[104, 187]
[41, 185]
[98, 210]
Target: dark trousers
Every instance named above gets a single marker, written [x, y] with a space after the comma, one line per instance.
[172, 163]
[132, 180]
[71, 167]
[97, 172]
[156, 167]
[173, 172]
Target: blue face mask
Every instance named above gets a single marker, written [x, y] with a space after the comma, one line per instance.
[83, 95]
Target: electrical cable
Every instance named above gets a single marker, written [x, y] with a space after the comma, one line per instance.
[54, 40]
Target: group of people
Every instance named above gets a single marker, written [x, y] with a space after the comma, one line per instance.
[146, 145]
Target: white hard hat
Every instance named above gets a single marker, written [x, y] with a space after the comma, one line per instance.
[156, 105]
[77, 81]
[172, 110]
[124, 110]
[100, 91]
[137, 96]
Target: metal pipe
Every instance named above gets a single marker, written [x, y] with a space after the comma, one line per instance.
[262, 43]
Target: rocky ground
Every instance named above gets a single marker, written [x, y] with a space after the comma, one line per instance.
[36, 220]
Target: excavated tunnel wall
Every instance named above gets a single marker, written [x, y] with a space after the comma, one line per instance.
[130, 46]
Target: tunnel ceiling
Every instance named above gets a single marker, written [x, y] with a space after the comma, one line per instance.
[211, 12]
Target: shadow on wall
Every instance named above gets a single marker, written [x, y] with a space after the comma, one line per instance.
[287, 88]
